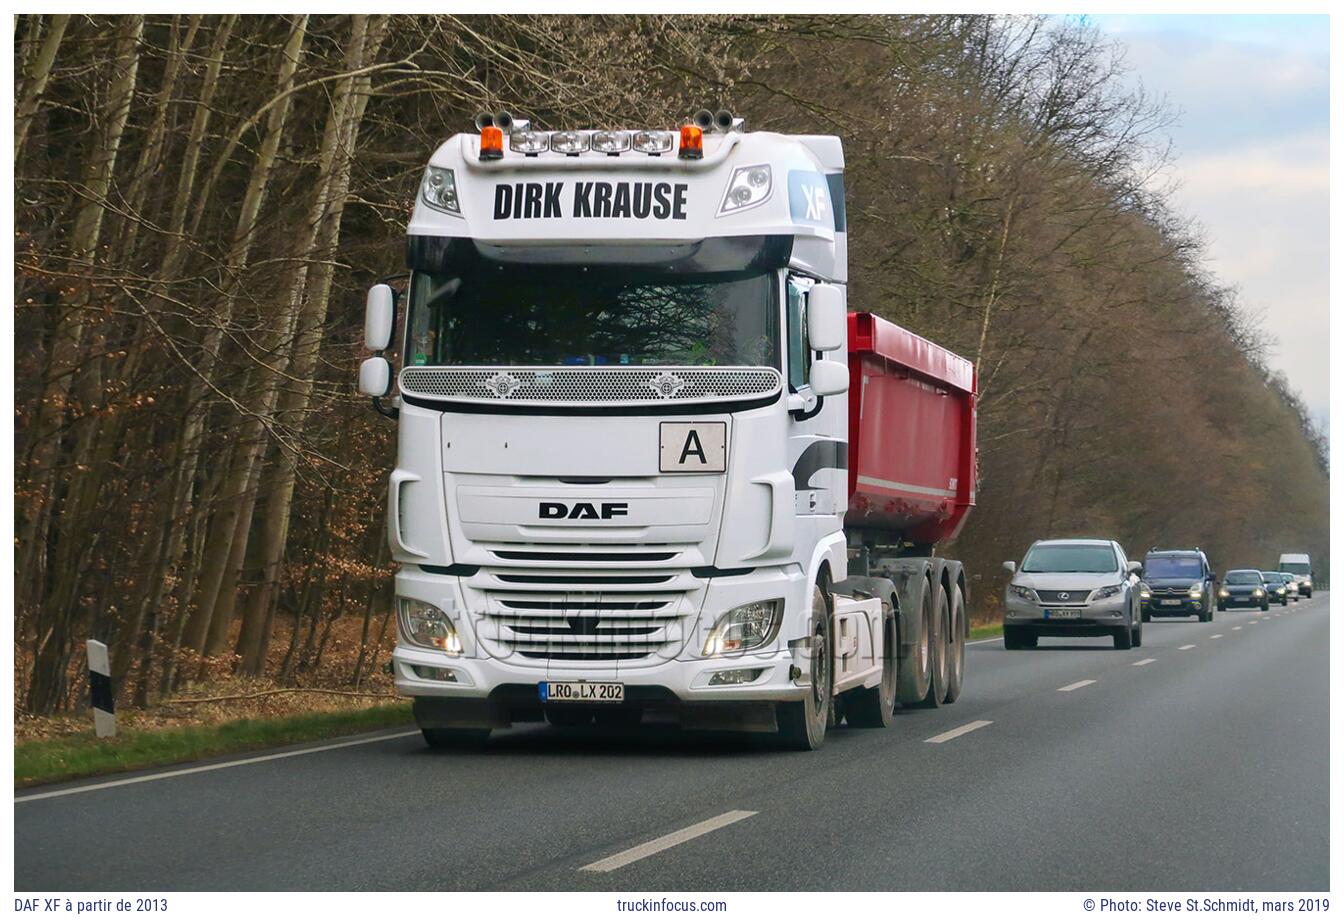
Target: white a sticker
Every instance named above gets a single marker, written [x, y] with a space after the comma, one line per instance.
[692, 447]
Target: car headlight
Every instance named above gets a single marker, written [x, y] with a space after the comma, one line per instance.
[749, 186]
[1144, 593]
[438, 189]
[427, 626]
[744, 628]
[1196, 591]
[1222, 592]
[1258, 592]
[1108, 591]
[1023, 592]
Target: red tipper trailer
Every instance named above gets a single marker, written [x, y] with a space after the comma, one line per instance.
[911, 434]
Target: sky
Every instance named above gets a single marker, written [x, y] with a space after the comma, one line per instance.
[1252, 163]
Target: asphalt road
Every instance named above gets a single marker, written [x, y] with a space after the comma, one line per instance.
[1205, 768]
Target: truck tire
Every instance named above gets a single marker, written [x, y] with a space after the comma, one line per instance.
[912, 679]
[455, 738]
[802, 725]
[1123, 639]
[938, 648]
[956, 666]
[872, 707]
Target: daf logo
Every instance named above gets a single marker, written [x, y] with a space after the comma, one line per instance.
[582, 511]
[666, 384]
[1063, 595]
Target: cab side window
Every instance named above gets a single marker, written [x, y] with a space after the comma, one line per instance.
[800, 358]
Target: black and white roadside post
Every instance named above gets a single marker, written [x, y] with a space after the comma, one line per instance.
[100, 690]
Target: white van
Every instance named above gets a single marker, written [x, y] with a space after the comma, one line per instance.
[1299, 566]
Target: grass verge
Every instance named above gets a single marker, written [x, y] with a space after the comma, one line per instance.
[73, 757]
[986, 632]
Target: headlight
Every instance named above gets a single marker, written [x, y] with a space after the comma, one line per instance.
[1196, 591]
[1144, 593]
[1258, 592]
[1025, 593]
[438, 189]
[1279, 590]
[1108, 591]
[571, 143]
[749, 187]
[427, 626]
[1222, 592]
[746, 627]
[529, 142]
[654, 143]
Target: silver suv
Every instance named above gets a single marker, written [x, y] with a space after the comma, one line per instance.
[1073, 588]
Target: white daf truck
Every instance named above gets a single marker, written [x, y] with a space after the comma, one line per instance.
[626, 486]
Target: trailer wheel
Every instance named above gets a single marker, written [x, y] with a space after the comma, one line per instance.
[455, 738]
[938, 643]
[871, 707]
[802, 725]
[912, 679]
[956, 649]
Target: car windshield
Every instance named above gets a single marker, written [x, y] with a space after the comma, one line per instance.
[496, 314]
[1172, 567]
[1070, 557]
[1243, 578]
[1274, 578]
[1297, 568]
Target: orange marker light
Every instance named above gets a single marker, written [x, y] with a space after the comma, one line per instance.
[492, 143]
[692, 143]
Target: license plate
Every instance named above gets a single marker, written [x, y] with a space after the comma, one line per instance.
[580, 691]
[1063, 614]
[1170, 603]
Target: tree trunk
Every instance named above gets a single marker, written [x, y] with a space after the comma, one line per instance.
[35, 81]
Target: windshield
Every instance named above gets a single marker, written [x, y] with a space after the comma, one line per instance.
[1297, 568]
[1243, 578]
[1172, 567]
[1065, 557]
[1274, 578]
[496, 314]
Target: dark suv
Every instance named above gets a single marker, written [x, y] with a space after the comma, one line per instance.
[1177, 583]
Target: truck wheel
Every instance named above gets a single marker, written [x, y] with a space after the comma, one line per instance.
[871, 707]
[912, 678]
[956, 662]
[1123, 639]
[802, 725]
[455, 738]
[938, 648]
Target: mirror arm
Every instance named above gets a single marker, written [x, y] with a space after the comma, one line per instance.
[802, 415]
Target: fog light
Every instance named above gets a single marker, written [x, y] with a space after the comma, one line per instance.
[739, 676]
[424, 672]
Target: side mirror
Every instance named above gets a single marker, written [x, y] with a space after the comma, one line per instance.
[828, 378]
[827, 323]
[1133, 568]
[375, 376]
[1011, 566]
[378, 313]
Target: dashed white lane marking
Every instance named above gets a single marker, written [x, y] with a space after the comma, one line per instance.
[1184, 647]
[667, 841]
[958, 732]
[1216, 636]
[1235, 628]
[1072, 687]
[208, 767]
[1141, 663]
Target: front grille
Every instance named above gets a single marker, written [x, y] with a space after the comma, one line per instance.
[580, 386]
[576, 604]
[1170, 592]
[1063, 597]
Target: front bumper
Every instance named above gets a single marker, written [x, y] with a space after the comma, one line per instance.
[677, 675]
[1245, 600]
[1184, 606]
[1094, 619]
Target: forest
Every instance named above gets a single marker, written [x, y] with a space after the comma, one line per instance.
[202, 200]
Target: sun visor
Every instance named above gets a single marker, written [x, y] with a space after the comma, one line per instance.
[449, 255]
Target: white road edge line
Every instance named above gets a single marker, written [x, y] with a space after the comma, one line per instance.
[1184, 647]
[208, 767]
[1141, 663]
[984, 641]
[958, 732]
[1072, 687]
[667, 841]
